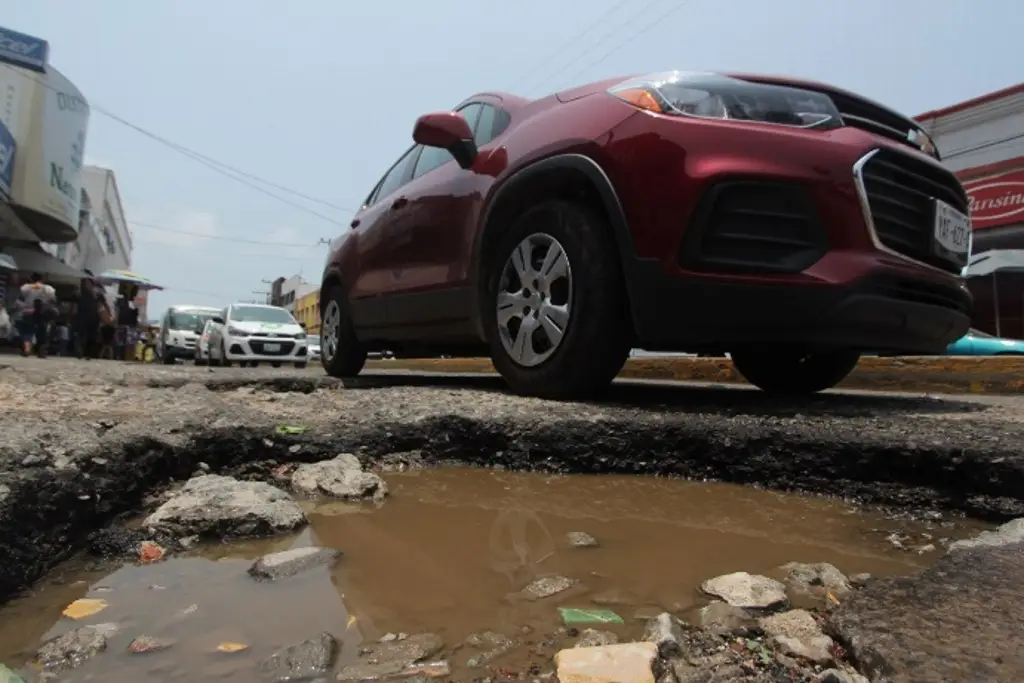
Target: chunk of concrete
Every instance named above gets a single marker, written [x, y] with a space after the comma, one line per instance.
[303, 661]
[749, 591]
[666, 633]
[621, 663]
[291, 562]
[74, 648]
[342, 478]
[212, 505]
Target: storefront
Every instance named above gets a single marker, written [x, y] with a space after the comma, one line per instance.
[982, 140]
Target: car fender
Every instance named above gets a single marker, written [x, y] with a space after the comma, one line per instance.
[563, 161]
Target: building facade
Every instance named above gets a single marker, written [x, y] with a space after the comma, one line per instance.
[982, 141]
[307, 311]
[286, 291]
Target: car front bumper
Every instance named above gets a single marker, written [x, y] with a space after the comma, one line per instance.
[266, 349]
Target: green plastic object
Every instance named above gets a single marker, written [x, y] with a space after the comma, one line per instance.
[571, 615]
[290, 430]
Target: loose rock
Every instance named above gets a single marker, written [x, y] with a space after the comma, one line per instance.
[666, 632]
[749, 591]
[74, 647]
[143, 644]
[593, 638]
[342, 478]
[291, 562]
[817, 649]
[547, 586]
[395, 658]
[721, 617]
[213, 505]
[302, 661]
[816, 579]
[622, 663]
[581, 539]
[840, 676]
[492, 644]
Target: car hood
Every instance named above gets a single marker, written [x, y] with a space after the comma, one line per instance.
[268, 328]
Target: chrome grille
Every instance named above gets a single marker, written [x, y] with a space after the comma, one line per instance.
[898, 193]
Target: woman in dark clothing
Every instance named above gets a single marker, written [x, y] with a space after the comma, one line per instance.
[127, 320]
[87, 321]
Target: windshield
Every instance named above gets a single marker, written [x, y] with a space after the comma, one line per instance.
[707, 95]
[188, 320]
[261, 314]
[314, 339]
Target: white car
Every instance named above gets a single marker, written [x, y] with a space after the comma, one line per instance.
[203, 343]
[250, 334]
[313, 342]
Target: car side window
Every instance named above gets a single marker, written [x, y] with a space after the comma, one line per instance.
[395, 177]
[485, 126]
[435, 157]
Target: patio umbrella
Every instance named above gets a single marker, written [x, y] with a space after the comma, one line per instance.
[7, 262]
[110, 277]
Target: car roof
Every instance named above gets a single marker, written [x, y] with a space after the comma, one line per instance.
[186, 307]
[239, 305]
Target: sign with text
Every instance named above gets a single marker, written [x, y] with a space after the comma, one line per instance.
[7, 149]
[997, 201]
[22, 50]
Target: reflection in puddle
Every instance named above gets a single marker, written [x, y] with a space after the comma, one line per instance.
[448, 554]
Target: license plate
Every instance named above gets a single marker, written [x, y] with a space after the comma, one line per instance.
[271, 348]
[952, 230]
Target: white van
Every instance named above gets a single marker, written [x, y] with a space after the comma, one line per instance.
[180, 330]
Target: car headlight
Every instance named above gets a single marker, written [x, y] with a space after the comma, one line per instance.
[235, 332]
[300, 335]
[713, 96]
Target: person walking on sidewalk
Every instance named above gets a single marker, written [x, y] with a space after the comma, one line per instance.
[87, 321]
[38, 300]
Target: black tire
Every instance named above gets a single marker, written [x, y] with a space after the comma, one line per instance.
[300, 366]
[254, 364]
[789, 371]
[199, 361]
[275, 365]
[350, 356]
[224, 356]
[599, 332]
[167, 358]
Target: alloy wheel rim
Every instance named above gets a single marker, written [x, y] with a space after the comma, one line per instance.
[534, 300]
[330, 331]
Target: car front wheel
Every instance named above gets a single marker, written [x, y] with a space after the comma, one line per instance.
[554, 304]
[341, 354]
[789, 371]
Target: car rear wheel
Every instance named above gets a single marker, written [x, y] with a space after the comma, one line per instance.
[340, 351]
[554, 306]
[791, 371]
[224, 356]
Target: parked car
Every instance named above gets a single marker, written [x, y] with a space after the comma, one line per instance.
[180, 329]
[977, 343]
[249, 334]
[790, 224]
[203, 344]
[313, 343]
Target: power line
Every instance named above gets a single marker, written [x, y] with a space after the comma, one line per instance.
[630, 38]
[222, 238]
[217, 166]
[234, 254]
[546, 62]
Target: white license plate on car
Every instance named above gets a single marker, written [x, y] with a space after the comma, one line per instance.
[952, 229]
[271, 348]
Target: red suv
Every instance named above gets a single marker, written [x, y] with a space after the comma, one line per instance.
[791, 224]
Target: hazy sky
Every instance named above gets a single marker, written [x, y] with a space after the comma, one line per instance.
[320, 95]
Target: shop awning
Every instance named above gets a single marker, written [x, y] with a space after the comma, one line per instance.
[54, 271]
[7, 262]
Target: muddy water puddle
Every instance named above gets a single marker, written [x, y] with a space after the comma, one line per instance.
[448, 554]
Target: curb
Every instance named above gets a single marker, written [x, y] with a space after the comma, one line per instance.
[931, 374]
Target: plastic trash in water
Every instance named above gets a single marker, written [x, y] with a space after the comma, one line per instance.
[290, 430]
[571, 615]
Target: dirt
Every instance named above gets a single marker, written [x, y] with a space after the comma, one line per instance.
[449, 553]
[88, 444]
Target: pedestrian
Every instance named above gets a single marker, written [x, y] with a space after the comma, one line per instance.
[38, 302]
[5, 322]
[87, 320]
[63, 337]
[127, 320]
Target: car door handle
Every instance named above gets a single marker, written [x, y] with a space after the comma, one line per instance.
[355, 223]
[399, 203]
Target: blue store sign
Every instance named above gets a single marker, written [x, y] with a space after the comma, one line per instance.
[22, 50]
[7, 148]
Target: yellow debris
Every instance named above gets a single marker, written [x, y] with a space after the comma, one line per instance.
[86, 607]
[232, 647]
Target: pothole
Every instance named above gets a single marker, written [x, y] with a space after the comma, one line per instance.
[503, 569]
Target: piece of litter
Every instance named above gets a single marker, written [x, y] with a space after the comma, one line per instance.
[831, 598]
[290, 430]
[86, 607]
[351, 620]
[571, 615]
[150, 552]
[232, 647]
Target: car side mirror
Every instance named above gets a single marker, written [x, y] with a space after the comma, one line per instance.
[302, 325]
[217, 319]
[449, 131]
[199, 330]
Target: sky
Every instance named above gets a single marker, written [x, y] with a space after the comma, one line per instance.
[320, 96]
